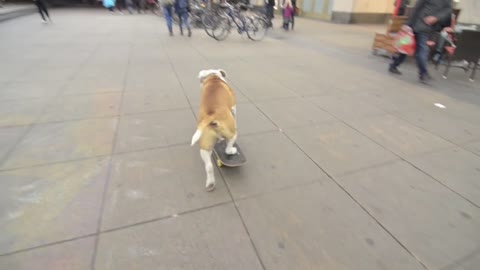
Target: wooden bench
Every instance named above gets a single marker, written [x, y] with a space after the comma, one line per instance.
[383, 42]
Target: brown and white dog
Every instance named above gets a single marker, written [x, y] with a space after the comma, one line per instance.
[216, 118]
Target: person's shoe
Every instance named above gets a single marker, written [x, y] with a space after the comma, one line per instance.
[171, 33]
[425, 78]
[394, 70]
[189, 33]
[44, 21]
[181, 32]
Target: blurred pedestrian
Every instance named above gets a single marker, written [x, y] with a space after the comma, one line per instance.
[110, 5]
[167, 6]
[182, 8]
[424, 19]
[42, 9]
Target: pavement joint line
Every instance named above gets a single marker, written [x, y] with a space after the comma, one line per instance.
[405, 160]
[120, 228]
[38, 117]
[110, 167]
[46, 245]
[119, 153]
[462, 145]
[176, 215]
[401, 158]
[276, 190]
[350, 195]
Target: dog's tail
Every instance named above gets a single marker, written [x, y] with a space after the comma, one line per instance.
[210, 122]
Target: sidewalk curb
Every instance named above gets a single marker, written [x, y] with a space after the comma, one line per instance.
[17, 13]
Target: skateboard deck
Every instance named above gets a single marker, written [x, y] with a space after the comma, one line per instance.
[228, 160]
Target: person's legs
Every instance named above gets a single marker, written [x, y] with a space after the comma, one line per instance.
[40, 10]
[180, 22]
[292, 21]
[167, 12]
[44, 8]
[421, 54]
[186, 21]
[397, 61]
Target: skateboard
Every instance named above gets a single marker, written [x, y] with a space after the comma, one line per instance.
[228, 160]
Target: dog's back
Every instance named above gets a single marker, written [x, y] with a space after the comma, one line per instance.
[215, 117]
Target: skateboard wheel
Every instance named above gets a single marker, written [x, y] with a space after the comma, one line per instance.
[219, 163]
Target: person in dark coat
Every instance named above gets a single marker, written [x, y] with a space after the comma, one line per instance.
[425, 18]
[182, 7]
[270, 4]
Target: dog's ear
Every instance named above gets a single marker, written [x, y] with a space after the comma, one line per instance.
[202, 74]
[224, 74]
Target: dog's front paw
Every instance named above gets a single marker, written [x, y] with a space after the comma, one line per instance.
[210, 186]
[231, 151]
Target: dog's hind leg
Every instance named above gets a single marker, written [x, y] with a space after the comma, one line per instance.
[207, 160]
[230, 149]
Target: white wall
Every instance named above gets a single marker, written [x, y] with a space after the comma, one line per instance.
[470, 11]
[373, 6]
[343, 5]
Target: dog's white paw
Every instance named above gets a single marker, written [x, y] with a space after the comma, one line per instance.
[231, 151]
[210, 186]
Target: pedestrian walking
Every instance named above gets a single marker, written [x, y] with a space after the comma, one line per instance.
[270, 4]
[182, 8]
[110, 5]
[292, 20]
[129, 5]
[424, 19]
[287, 14]
[42, 9]
[167, 6]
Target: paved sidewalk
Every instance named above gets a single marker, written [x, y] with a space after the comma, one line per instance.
[10, 11]
[348, 167]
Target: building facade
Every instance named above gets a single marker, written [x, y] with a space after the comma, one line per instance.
[371, 11]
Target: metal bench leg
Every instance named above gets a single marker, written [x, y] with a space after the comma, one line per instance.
[447, 68]
[472, 77]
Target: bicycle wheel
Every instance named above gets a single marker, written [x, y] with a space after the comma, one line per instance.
[222, 29]
[256, 28]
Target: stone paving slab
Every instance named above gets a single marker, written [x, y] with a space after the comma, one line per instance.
[8, 139]
[10, 11]
[435, 224]
[310, 227]
[155, 129]
[456, 168]
[290, 113]
[208, 239]
[45, 204]
[63, 141]
[160, 182]
[82, 107]
[445, 125]
[74, 255]
[345, 107]
[474, 147]
[22, 90]
[153, 100]
[339, 149]
[273, 162]
[21, 112]
[399, 136]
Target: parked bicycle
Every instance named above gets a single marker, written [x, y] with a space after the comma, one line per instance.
[218, 24]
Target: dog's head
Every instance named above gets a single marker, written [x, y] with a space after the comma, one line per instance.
[202, 75]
